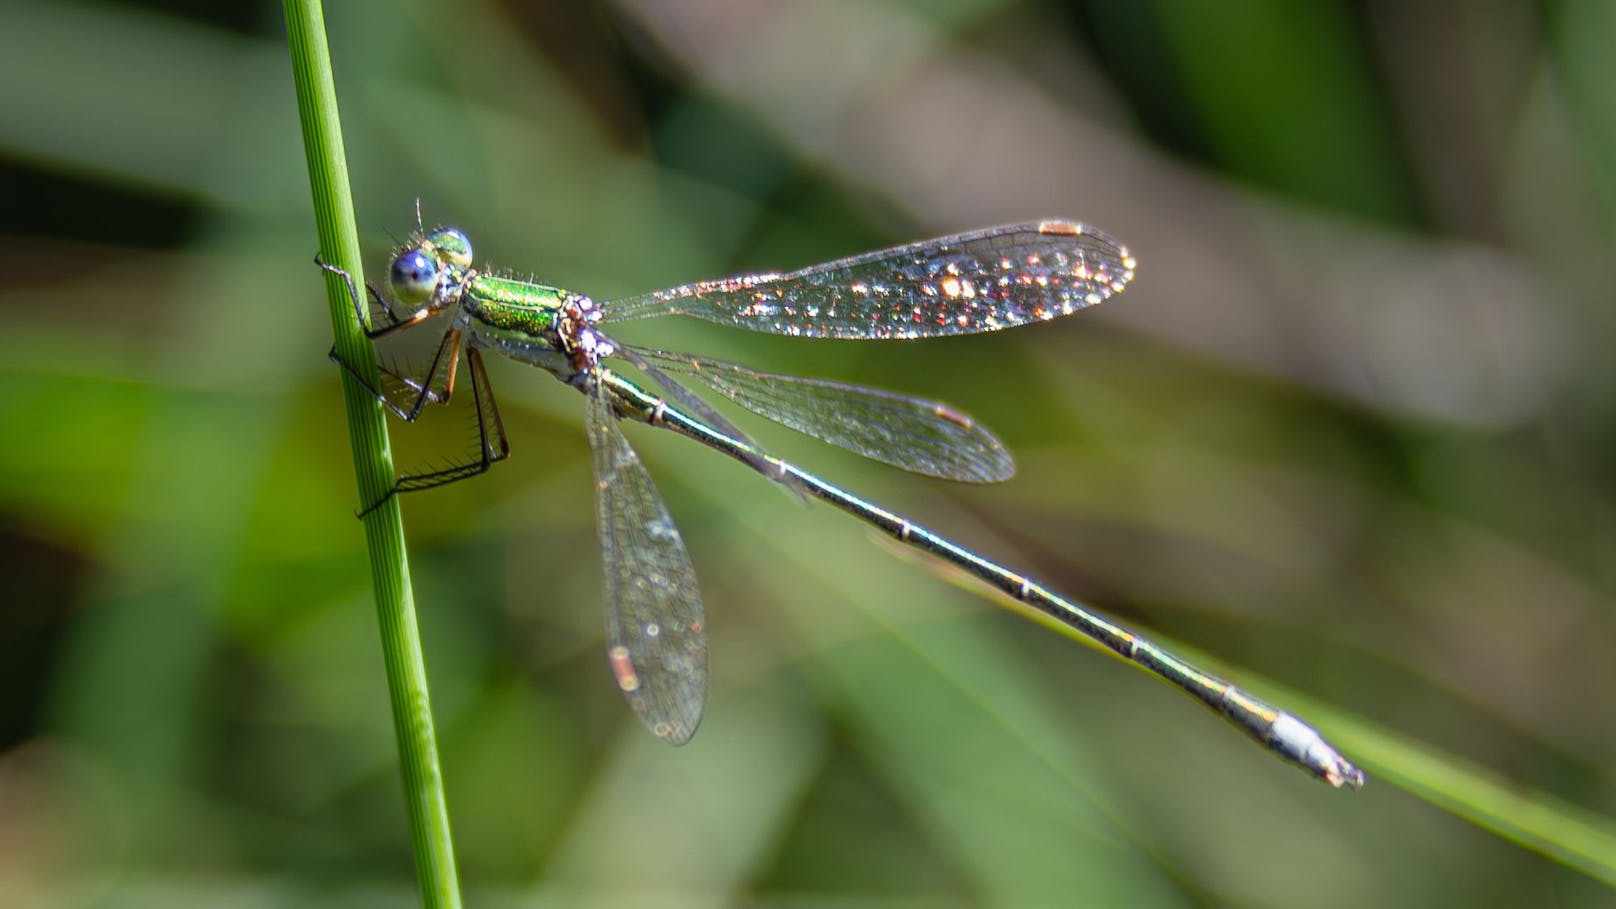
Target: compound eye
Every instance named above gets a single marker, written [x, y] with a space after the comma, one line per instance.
[452, 245]
[414, 277]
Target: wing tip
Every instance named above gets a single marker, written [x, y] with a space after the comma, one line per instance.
[675, 732]
[1121, 262]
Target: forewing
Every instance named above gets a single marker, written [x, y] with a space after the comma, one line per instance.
[656, 638]
[972, 282]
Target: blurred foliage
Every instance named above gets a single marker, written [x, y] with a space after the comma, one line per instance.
[1349, 431]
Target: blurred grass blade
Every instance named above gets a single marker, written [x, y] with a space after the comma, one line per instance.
[1576, 838]
[1572, 836]
[384, 529]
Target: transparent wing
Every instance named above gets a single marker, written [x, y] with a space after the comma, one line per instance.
[912, 433]
[980, 281]
[682, 398]
[656, 639]
[679, 395]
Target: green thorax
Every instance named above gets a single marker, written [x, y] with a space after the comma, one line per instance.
[508, 305]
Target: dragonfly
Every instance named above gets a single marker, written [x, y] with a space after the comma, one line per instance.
[980, 281]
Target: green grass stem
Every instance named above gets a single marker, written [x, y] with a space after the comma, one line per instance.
[373, 465]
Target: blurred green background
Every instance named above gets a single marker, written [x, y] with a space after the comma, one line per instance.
[1349, 433]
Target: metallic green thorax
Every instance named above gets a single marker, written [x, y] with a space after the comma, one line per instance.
[507, 305]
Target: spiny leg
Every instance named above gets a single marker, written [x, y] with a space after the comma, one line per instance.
[492, 444]
[483, 393]
[408, 395]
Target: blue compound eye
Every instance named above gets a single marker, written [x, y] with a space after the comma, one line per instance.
[414, 277]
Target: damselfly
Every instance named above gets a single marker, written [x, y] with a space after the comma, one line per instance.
[972, 282]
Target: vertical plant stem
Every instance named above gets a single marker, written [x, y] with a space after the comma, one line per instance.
[373, 465]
